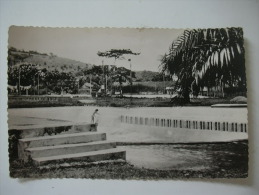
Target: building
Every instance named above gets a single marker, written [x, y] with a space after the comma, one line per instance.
[87, 88]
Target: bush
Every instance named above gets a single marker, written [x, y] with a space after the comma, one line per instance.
[239, 99]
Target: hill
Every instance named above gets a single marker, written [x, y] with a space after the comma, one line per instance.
[52, 62]
[49, 61]
[59, 63]
[145, 75]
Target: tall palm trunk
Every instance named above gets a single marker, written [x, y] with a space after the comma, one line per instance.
[186, 96]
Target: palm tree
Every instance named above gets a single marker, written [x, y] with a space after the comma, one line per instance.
[206, 57]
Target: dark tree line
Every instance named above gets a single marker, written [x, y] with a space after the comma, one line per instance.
[26, 75]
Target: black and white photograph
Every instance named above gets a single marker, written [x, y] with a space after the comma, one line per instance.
[127, 103]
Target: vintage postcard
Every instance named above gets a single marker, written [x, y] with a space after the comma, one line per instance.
[125, 103]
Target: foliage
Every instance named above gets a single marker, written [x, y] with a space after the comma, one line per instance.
[116, 53]
[148, 76]
[206, 57]
[44, 60]
[161, 77]
[107, 73]
[31, 75]
[119, 74]
[122, 75]
[60, 81]
[16, 57]
[95, 70]
[26, 73]
[139, 88]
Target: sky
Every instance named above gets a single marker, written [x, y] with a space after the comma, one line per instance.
[82, 44]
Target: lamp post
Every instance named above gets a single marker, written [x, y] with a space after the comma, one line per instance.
[130, 81]
[19, 81]
[34, 84]
[103, 83]
[90, 84]
[163, 83]
[38, 83]
[77, 80]
[39, 72]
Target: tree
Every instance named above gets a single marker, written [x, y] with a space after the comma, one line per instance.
[95, 70]
[25, 75]
[95, 73]
[25, 72]
[116, 53]
[30, 75]
[59, 82]
[121, 75]
[208, 57]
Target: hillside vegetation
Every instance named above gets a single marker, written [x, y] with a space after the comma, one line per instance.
[48, 73]
[48, 61]
[145, 75]
[54, 62]
[59, 63]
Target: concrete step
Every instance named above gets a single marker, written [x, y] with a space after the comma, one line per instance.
[108, 154]
[67, 149]
[58, 140]
[29, 131]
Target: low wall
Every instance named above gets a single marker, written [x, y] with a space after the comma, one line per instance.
[37, 98]
[186, 124]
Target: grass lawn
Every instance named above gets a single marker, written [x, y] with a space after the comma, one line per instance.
[120, 170]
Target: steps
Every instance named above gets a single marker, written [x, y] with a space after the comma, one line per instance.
[68, 146]
[68, 149]
[100, 155]
[61, 139]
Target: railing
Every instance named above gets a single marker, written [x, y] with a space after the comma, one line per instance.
[187, 124]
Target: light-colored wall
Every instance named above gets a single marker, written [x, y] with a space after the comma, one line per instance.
[165, 130]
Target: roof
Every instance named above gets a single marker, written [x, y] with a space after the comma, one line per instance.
[118, 84]
[86, 85]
